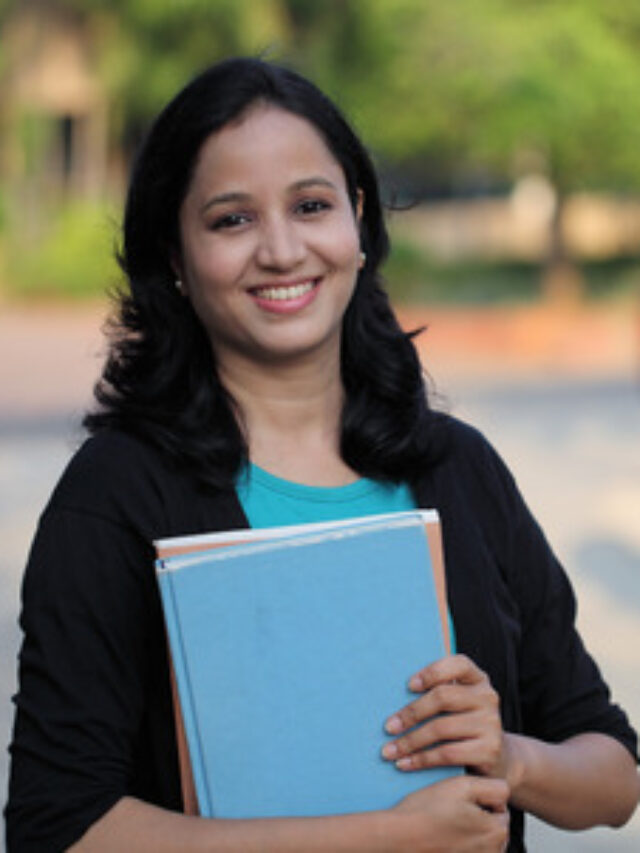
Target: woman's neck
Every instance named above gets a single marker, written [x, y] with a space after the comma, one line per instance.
[292, 415]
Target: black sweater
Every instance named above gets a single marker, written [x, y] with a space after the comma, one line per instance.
[94, 719]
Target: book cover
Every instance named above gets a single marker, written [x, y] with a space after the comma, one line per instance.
[289, 654]
[198, 543]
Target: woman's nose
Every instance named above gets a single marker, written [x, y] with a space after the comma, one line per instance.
[281, 245]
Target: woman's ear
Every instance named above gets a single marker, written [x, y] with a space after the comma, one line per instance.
[175, 261]
[176, 267]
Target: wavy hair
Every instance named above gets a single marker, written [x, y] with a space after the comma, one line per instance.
[160, 379]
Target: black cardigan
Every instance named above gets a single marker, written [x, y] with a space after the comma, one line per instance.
[94, 719]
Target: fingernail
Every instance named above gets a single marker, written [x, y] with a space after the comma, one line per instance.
[390, 750]
[394, 725]
[403, 764]
[416, 683]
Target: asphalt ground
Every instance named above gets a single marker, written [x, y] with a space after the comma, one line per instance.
[562, 405]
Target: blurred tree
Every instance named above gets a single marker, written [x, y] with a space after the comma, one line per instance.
[148, 49]
[452, 94]
[569, 96]
[490, 90]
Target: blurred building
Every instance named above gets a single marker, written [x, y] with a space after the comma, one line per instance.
[53, 109]
[518, 226]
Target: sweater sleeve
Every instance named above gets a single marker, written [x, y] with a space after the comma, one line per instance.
[562, 692]
[91, 624]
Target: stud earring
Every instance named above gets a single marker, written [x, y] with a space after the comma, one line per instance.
[179, 286]
[363, 260]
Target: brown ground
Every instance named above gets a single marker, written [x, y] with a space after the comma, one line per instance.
[543, 341]
[51, 355]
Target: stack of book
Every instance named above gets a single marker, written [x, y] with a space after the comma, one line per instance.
[290, 648]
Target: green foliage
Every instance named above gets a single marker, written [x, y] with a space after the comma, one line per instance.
[148, 49]
[440, 88]
[74, 256]
[614, 279]
[440, 91]
[492, 86]
[571, 94]
[35, 131]
[413, 276]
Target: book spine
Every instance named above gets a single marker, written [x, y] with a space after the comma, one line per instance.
[186, 714]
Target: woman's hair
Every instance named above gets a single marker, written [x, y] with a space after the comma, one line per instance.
[160, 379]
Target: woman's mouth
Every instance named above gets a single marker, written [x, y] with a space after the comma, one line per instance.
[287, 297]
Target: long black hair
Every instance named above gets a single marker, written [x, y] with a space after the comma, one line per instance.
[160, 379]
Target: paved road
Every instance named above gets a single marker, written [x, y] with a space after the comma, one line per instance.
[575, 450]
[574, 446]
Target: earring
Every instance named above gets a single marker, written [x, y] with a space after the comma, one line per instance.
[179, 286]
[363, 260]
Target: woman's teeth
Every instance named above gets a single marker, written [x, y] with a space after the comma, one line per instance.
[293, 291]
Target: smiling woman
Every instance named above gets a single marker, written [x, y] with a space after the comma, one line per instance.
[258, 376]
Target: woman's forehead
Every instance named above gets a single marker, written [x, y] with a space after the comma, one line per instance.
[266, 144]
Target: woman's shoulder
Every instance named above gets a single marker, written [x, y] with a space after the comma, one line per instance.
[116, 476]
[110, 458]
[109, 445]
[469, 463]
[460, 434]
[463, 443]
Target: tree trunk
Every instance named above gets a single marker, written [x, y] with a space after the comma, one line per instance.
[562, 280]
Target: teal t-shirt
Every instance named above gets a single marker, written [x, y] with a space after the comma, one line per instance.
[270, 501]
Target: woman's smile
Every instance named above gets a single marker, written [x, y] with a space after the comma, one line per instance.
[285, 297]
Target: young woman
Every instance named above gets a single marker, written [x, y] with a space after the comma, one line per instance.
[258, 376]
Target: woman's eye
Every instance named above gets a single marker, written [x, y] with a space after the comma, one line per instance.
[230, 220]
[311, 206]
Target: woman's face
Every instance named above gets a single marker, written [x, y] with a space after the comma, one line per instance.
[269, 240]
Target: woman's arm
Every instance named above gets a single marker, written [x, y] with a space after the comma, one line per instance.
[586, 780]
[136, 826]
[457, 815]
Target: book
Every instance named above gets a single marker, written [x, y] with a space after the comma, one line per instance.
[290, 647]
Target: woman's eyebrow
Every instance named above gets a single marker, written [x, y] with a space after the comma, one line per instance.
[231, 197]
[314, 181]
[225, 198]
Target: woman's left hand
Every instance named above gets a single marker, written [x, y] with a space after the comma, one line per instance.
[456, 720]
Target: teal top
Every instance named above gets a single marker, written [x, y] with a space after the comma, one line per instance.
[270, 501]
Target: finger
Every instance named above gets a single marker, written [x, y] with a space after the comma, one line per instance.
[501, 821]
[453, 668]
[505, 822]
[491, 794]
[444, 699]
[473, 752]
[449, 727]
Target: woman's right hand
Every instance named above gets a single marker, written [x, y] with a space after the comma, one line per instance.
[466, 813]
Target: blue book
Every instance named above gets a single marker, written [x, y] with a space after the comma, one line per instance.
[290, 648]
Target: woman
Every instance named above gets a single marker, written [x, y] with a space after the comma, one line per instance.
[257, 375]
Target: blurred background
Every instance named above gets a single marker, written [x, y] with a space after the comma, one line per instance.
[507, 137]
